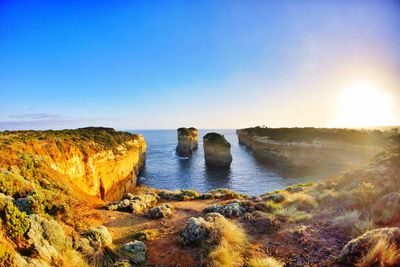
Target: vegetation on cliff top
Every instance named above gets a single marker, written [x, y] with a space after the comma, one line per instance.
[96, 137]
[310, 134]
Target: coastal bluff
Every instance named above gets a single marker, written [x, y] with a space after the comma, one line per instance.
[99, 161]
[312, 150]
[217, 150]
[187, 141]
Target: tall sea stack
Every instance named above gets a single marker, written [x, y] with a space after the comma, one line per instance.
[217, 150]
[187, 141]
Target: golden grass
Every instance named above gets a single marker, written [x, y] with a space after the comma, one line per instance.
[301, 201]
[382, 254]
[264, 262]
[293, 215]
[231, 242]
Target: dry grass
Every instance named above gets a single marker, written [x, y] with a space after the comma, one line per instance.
[350, 223]
[231, 242]
[382, 254]
[292, 215]
[264, 262]
[301, 201]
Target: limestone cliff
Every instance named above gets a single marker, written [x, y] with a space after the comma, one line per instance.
[217, 150]
[99, 161]
[312, 150]
[187, 141]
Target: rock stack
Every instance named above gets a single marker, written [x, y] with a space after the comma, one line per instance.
[187, 141]
[217, 150]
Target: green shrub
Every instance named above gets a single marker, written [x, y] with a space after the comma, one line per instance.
[13, 184]
[15, 222]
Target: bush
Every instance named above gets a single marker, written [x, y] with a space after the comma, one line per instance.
[350, 223]
[146, 234]
[228, 241]
[293, 215]
[195, 231]
[160, 211]
[15, 222]
[382, 253]
[357, 247]
[264, 262]
[301, 201]
[13, 184]
[135, 251]
[96, 246]
[387, 209]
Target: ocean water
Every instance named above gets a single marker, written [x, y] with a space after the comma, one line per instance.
[165, 170]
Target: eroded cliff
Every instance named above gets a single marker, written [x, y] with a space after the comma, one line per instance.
[311, 150]
[187, 141]
[99, 161]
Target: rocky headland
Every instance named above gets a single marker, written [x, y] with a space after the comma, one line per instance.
[217, 150]
[313, 151]
[187, 141]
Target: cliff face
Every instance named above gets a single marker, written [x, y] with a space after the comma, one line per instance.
[312, 155]
[217, 150]
[100, 162]
[187, 141]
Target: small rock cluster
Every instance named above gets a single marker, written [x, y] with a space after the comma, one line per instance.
[160, 211]
[135, 203]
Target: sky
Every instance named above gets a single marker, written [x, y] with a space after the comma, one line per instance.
[208, 64]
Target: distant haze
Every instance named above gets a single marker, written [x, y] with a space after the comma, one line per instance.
[208, 64]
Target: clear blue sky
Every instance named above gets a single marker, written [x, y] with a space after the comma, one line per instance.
[208, 64]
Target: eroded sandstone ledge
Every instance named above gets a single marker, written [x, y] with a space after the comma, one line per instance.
[101, 162]
[312, 149]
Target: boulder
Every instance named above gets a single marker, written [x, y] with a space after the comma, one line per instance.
[217, 150]
[359, 246]
[187, 141]
[387, 209]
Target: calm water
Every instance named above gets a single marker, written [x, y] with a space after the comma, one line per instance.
[165, 170]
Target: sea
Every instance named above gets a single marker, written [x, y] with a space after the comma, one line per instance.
[246, 175]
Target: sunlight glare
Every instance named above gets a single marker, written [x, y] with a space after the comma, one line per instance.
[365, 105]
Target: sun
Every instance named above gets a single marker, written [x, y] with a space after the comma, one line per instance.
[364, 104]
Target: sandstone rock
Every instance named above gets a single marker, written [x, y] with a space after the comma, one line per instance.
[359, 246]
[387, 209]
[187, 141]
[217, 150]
[194, 231]
[136, 251]
[160, 211]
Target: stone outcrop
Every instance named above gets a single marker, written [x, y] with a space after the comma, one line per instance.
[310, 151]
[187, 141]
[217, 150]
[101, 162]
